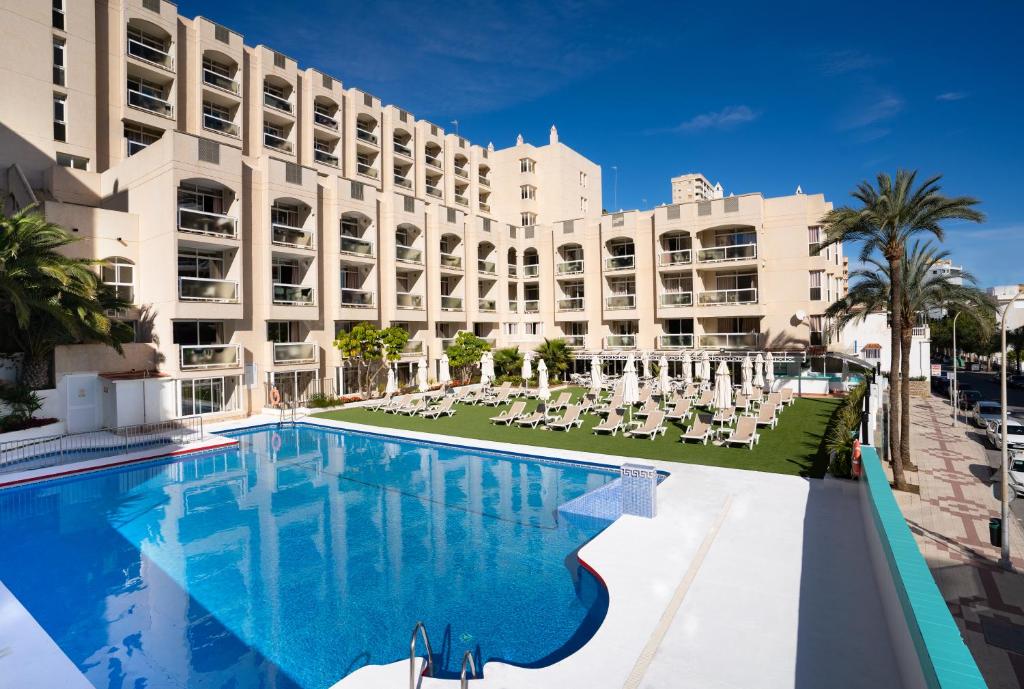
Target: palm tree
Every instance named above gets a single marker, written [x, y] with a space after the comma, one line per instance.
[508, 361]
[886, 218]
[922, 292]
[556, 356]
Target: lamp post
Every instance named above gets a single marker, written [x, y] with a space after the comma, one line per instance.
[955, 401]
[1004, 497]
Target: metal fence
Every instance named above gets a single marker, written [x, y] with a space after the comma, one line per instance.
[301, 392]
[34, 453]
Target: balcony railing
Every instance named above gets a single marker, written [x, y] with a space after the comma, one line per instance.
[403, 150]
[461, 200]
[676, 299]
[531, 270]
[434, 191]
[531, 306]
[484, 181]
[737, 252]
[919, 331]
[366, 170]
[219, 124]
[325, 120]
[487, 305]
[276, 142]
[294, 295]
[148, 53]
[325, 157]
[286, 235]
[728, 296]
[486, 267]
[413, 347]
[451, 261]
[220, 81]
[513, 270]
[277, 102]
[485, 207]
[433, 162]
[210, 356]
[513, 306]
[620, 341]
[295, 352]
[403, 182]
[207, 289]
[357, 246]
[620, 301]
[461, 172]
[625, 262]
[202, 222]
[145, 101]
[367, 136]
[574, 267]
[571, 304]
[680, 341]
[405, 300]
[451, 303]
[678, 257]
[575, 341]
[361, 298]
[728, 340]
[408, 254]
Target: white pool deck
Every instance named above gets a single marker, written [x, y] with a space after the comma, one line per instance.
[742, 580]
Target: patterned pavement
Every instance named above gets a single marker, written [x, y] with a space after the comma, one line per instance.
[959, 493]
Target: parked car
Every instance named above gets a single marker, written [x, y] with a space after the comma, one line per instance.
[984, 412]
[1015, 381]
[968, 397]
[940, 386]
[1014, 435]
[1016, 475]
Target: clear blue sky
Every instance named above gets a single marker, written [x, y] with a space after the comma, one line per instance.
[760, 96]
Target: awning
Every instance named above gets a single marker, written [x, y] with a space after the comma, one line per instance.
[872, 345]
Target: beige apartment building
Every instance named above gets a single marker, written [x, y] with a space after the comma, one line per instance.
[251, 209]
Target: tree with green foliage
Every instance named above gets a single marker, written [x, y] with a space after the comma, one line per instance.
[556, 356]
[371, 349]
[465, 353]
[972, 336]
[508, 361]
[1015, 345]
[886, 217]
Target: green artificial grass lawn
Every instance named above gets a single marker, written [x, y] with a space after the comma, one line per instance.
[794, 447]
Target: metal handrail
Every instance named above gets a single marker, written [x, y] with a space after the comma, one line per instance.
[420, 628]
[463, 679]
[114, 440]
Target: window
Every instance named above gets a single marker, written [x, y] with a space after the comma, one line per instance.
[815, 283]
[872, 351]
[527, 191]
[138, 137]
[203, 396]
[511, 329]
[526, 219]
[119, 274]
[816, 324]
[193, 333]
[60, 126]
[58, 61]
[534, 328]
[526, 165]
[196, 263]
[58, 14]
[68, 160]
[583, 179]
[280, 331]
[218, 118]
[195, 197]
[583, 204]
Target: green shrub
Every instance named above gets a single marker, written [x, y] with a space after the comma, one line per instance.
[842, 430]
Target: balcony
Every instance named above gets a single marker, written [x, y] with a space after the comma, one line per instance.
[194, 357]
[276, 142]
[413, 347]
[202, 222]
[531, 270]
[728, 296]
[461, 172]
[620, 342]
[403, 182]
[277, 103]
[433, 191]
[449, 303]
[531, 306]
[461, 199]
[720, 254]
[484, 181]
[207, 289]
[366, 135]
[571, 304]
[488, 305]
[432, 161]
[513, 306]
[620, 301]
[408, 254]
[296, 237]
[324, 157]
[451, 261]
[150, 54]
[294, 295]
[405, 300]
[680, 341]
[220, 81]
[322, 119]
[679, 257]
[620, 262]
[150, 103]
[287, 353]
[574, 267]
[403, 150]
[357, 247]
[575, 341]
[728, 340]
[486, 267]
[670, 299]
[366, 170]
[358, 298]
[513, 270]
[219, 124]
[485, 207]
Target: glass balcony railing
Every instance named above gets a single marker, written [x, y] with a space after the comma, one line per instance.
[484, 181]
[366, 170]
[679, 341]
[620, 301]
[325, 120]
[220, 81]
[728, 340]
[513, 270]
[574, 267]
[408, 254]
[513, 306]
[207, 289]
[356, 297]
[461, 200]
[403, 150]
[325, 157]
[531, 306]
[737, 252]
[620, 341]
[413, 347]
[297, 237]
[487, 305]
[276, 142]
[531, 270]
[150, 54]
[486, 267]
[461, 172]
[154, 104]
[295, 352]
[277, 102]
[485, 207]
[677, 257]
[676, 299]
[210, 356]
[620, 262]
[449, 303]
[433, 161]
[728, 296]
[366, 135]
[202, 222]
[571, 304]
[356, 246]
[404, 300]
[575, 341]
[451, 261]
[219, 124]
[294, 295]
[403, 181]
[433, 191]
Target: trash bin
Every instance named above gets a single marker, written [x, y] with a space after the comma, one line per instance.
[995, 531]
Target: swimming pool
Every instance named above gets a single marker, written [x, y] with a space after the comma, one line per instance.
[302, 555]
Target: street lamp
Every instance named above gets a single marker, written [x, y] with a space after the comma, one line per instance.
[1004, 499]
[954, 401]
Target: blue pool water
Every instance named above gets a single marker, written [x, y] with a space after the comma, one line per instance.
[301, 556]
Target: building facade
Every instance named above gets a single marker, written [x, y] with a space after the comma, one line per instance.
[251, 208]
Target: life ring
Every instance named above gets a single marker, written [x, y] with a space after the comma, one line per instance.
[275, 396]
[275, 442]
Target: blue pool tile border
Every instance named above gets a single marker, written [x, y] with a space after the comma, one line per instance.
[946, 662]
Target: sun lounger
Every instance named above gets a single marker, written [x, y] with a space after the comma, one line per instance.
[742, 401]
[767, 416]
[680, 411]
[437, 410]
[649, 407]
[724, 416]
[745, 433]
[413, 407]
[476, 396]
[611, 425]
[382, 404]
[561, 403]
[705, 399]
[652, 426]
[533, 419]
[499, 399]
[511, 414]
[690, 392]
[775, 399]
[698, 430]
[396, 403]
[569, 419]
[787, 396]
[614, 403]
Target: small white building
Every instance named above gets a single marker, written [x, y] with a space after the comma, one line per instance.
[1003, 294]
[869, 339]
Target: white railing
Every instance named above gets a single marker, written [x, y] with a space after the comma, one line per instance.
[403, 182]
[461, 172]
[293, 295]
[677, 257]
[366, 135]
[325, 120]
[451, 261]
[324, 157]
[277, 142]
[286, 235]
[405, 300]
[679, 341]
[575, 341]
[295, 352]
[620, 301]
[210, 356]
[356, 246]
[571, 304]
[513, 306]
[433, 162]
[486, 267]
[360, 298]
[531, 306]
[513, 270]
[676, 299]
[487, 305]
[203, 222]
[728, 340]
[154, 104]
[485, 207]
[413, 347]
[484, 181]
[207, 289]
[625, 262]
[573, 267]
[433, 191]
[408, 254]
[736, 252]
[461, 200]
[276, 102]
[449, 303]
[148, 53]
[403, 150]
[715, 297]
[531, 270]
[367, 170]
[220, 81]
[219, 124]
[620, 341]
[919, 331]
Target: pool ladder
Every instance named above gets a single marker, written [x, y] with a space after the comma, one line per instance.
[467, 658]
[285, 407]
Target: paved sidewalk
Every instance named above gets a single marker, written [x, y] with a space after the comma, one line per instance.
[959, 493]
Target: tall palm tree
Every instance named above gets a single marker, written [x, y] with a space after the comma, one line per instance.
[886, 218]
[556, 356]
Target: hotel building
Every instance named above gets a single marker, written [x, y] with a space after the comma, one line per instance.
[251, 208]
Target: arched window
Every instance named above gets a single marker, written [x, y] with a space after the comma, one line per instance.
[119, 274]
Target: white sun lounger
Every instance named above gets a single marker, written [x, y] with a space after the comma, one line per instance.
[511, 414]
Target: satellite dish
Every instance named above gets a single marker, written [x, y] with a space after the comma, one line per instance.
[800, 315]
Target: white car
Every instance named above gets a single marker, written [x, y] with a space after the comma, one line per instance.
[1014, 435]
[985, 412]
[1016, 476]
